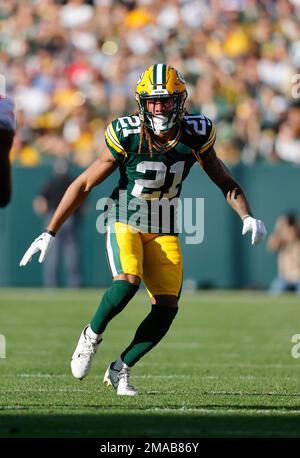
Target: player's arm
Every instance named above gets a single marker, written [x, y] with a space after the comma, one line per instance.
[220, 175]
[234, 194]
[76, 193]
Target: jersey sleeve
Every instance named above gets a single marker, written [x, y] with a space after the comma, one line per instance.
[209, 139]
[113, 140]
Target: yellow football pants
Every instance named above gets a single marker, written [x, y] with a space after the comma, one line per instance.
[154, 258]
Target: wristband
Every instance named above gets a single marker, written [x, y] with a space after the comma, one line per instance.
[51, 233]
[246, 216]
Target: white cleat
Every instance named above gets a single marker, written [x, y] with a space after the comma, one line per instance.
[120, 381]
[83, 355]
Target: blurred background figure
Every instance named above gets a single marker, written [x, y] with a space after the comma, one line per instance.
[65, 249]
[7, 132]
[285, 240]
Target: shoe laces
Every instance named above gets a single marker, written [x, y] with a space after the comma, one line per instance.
[88, 347]
[125, 374]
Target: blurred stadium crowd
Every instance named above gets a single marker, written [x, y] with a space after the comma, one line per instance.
[72, 66]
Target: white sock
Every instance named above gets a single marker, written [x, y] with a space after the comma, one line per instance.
[92, 335]
[117, 366]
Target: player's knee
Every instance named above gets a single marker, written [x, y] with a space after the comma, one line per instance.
[122, 291]
[165, 300]
[164, 316]
[132, 279]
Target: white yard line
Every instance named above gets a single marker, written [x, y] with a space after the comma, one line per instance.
[179, 410]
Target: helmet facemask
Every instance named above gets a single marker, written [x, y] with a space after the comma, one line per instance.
[161, 122]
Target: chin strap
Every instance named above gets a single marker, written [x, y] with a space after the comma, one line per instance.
[159, 121]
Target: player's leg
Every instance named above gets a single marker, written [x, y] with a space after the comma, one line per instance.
[7, 132]
[125, 257]
[6, 140]
[163, 278]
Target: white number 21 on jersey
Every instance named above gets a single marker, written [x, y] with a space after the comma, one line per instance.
[159, 180]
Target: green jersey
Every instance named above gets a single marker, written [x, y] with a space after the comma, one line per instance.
[148, 184]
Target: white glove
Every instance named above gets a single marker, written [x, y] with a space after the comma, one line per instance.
[257, 227]
[42, 244]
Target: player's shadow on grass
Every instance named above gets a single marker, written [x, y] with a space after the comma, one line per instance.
[148, 425]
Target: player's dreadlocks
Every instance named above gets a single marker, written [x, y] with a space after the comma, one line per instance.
[145, 133]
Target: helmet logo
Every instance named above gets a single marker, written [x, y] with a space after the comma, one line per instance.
[180, 77]
[140, 78]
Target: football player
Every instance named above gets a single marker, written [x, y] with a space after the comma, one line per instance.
[7, 132]
[154, 152]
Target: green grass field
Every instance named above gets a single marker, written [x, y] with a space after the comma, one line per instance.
[224, 370]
